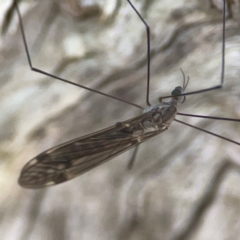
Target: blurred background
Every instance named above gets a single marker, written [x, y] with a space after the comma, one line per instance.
[185, 183]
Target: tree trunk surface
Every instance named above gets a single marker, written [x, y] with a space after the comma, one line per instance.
[184, 183]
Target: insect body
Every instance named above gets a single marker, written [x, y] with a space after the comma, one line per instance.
[73, 158]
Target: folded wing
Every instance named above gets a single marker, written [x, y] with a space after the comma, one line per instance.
[70, 159]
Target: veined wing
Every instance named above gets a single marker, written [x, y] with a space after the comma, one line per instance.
[70, 159]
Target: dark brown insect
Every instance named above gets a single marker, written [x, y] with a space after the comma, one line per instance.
[70, 159]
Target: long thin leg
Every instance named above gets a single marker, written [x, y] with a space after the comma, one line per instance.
[222, 64]
[133, 157]
[211, 133]
[209, 117]
[56, 77]
[148, 50]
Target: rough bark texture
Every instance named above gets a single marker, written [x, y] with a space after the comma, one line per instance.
[184, 184]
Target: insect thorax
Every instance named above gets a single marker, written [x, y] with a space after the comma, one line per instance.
[162, 115]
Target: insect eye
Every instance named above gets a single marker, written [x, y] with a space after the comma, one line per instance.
[177, 91]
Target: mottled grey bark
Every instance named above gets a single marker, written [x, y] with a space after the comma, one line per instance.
[184, 184]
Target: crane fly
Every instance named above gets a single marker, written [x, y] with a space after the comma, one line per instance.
[70, 159]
